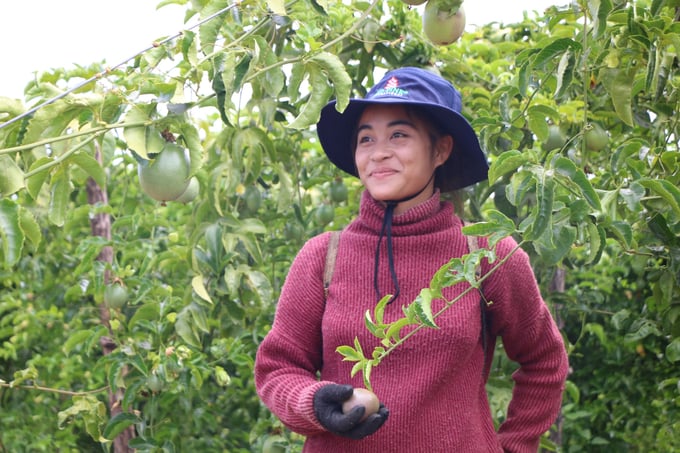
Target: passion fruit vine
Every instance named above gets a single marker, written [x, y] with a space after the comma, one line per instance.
[165, 177]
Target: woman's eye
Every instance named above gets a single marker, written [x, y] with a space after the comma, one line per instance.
[364, 139]
[398, 135]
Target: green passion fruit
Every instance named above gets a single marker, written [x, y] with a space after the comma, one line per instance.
[115, 295]
[338, 191]
[324, 214]
[556, 139]
[362, 397]
[596, 137]
[191, 191]
[166, 177]
[443, 27]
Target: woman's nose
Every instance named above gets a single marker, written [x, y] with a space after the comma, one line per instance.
[381, 151]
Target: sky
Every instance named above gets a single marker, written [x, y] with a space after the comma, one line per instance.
[39, 35]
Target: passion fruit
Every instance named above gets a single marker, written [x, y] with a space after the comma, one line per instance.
[596, 137]
[556, 138]
[362, 397]
[191, 191]
[443, 27]
[165, 177]
[324, 214]
[115, 295]
[338, 191]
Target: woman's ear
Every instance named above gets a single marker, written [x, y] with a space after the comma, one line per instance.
[443, 149]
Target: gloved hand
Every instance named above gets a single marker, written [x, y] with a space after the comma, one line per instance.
[328, 410]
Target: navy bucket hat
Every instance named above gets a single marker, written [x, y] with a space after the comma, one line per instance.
[467, 164]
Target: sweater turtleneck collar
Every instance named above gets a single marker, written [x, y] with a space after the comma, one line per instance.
[379, 217]
[429, 216]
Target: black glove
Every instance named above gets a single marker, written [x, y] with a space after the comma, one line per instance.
[328, 410]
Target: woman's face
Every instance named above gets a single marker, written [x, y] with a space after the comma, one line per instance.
[395, 155]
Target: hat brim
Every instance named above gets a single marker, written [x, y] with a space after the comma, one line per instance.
[467, 164]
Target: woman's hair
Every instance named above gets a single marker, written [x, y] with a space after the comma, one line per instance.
[435, 131]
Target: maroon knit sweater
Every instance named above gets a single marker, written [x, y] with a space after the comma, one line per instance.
[433, 384]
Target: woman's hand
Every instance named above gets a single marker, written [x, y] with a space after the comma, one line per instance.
[328, 410]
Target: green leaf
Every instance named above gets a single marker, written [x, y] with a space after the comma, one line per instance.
[507, 162]
[60, 194]
[567, 168]
[597, 243]
[342, 82]
[673, 351]
[10, 232]
[273, 79]
[11, 176]
[320, 93]
[35, 182]
[30, 227]
[619, 84]
[90, 165]
[277, 7]
[557, 245]
[393, 332]
[372, 327]
[185, 329]
[641, 329]
[665, 190]
[76, 339]
[380, 309]
[622, 231]
[565, 73]
[349, 354]
[423, 307]
[368, 368]
[118, 423]
[545, 195]
[538, 119]
[145, 139]
[199, 288]
[550, 52]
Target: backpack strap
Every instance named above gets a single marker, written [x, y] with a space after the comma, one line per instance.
[329, 267]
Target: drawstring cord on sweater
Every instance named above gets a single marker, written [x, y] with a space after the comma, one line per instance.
[386, 231]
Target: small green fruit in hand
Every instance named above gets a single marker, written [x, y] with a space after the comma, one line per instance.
[596, 137]
[190, 192]
[115, 295]
[362, 397]
[443, 27]
[165, 177]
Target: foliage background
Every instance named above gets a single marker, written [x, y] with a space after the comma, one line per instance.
[242, 92]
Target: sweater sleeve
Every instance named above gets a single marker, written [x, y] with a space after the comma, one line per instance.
[290, 355]
[532, 339]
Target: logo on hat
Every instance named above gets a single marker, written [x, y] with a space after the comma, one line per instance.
[391, 88]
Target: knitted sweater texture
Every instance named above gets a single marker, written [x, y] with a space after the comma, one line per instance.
[432, 384]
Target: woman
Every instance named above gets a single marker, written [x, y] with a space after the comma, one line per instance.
[407, 142]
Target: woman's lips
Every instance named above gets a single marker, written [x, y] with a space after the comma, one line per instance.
[382, 172]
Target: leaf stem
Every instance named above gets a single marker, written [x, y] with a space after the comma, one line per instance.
[60, 138]
[448, 305]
